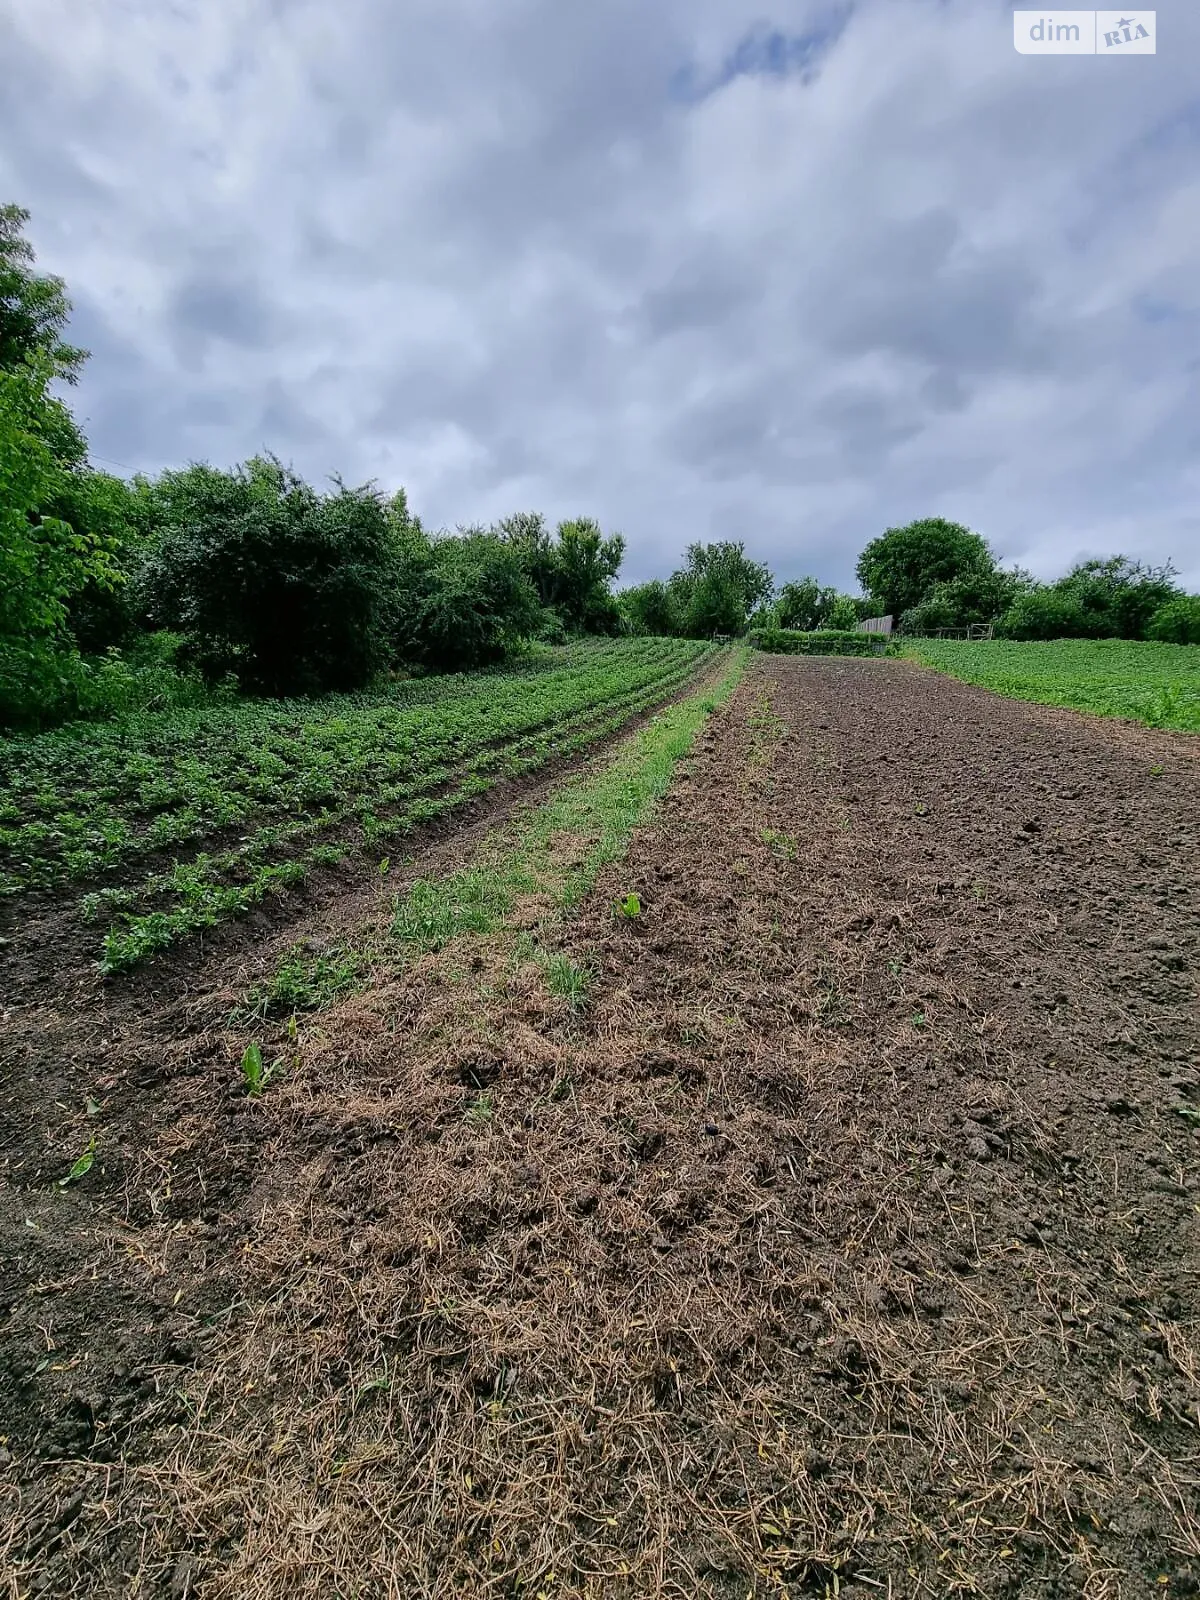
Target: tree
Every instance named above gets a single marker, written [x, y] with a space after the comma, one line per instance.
[1118, 596]
[900, 569]
[531, 541]
[1176, 621]
[1114, 598]
[649, 608]
[842, 613]
[34, 308]
[572, 570]
[977, 596]
[587, 565]
[475, 605]
[290, 590]
[718, 588]
[43, 558]
[803, 604]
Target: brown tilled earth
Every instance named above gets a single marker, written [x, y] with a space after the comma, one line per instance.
[844, 1240]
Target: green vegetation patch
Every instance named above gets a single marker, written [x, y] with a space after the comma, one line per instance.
[819, 642]
[306, 980]
[1156, 684]
[246, 799]
[597, 815]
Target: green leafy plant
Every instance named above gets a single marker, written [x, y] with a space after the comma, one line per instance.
[630, 906]
[256, 1075]
[780, 844]
[82, 1166]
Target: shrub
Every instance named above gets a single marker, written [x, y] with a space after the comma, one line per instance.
[474, 605]
[1111, 599]
[1047, 613]
[819, 642]
[288, 589]
[650, 608]
[1177, 621]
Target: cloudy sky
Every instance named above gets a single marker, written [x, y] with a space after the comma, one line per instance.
[785, 273]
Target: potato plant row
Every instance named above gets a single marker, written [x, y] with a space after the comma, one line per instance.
[193, 819]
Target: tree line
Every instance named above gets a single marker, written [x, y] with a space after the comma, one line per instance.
[120, 594]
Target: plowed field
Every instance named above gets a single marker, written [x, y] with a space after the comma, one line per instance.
[813, 1208]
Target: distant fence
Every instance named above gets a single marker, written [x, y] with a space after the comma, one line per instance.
[876, 625]
[977, 630]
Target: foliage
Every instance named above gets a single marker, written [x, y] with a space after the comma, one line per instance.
[43, 559]
[718, 588]
[1176, 621]
[821, 642]
[1158, 684]
[842, 616]
[470, 606]
[284, 587]
[903, 566]
[572, 571]
[33, 306]
[650, 608]
[980, 595]
[294, 784]
[304, 981]
[1110, 599]
[82, 1166]
[587, 565]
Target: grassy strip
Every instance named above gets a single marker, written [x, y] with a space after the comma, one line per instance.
[598, 815]
[1155, 684]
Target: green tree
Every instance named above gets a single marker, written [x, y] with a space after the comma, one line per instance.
[977, 596]
[901, 568]
[649, 608]
[43, 558]
[1176, 621]
[34, 308]
[842, 614]
[1113, 598]
[718, 588]
[473, 606]
[804, 604]
[587, 565]
[291, 590]
[572, 570]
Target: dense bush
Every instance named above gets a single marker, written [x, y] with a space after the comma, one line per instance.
[650, 608]
[571, 570]
[819, 642]
[717, 589]
[1176, 621]
[286, 588]
[44, 560]
[471, 605]
[1111, 599]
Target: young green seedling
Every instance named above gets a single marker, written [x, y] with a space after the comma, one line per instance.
[82, 1166]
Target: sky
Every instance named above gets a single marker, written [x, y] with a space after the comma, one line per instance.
[790, 274]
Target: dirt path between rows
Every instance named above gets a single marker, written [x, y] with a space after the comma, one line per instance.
[845, 1241]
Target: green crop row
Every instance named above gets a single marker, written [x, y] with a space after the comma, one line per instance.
[1156, 684]
[197, 816]
[80, 802]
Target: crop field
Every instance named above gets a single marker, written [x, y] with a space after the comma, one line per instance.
[179, 821]
[1156, 684]
[755, 1158]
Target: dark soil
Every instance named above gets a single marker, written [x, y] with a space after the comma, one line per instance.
[844, 1241]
